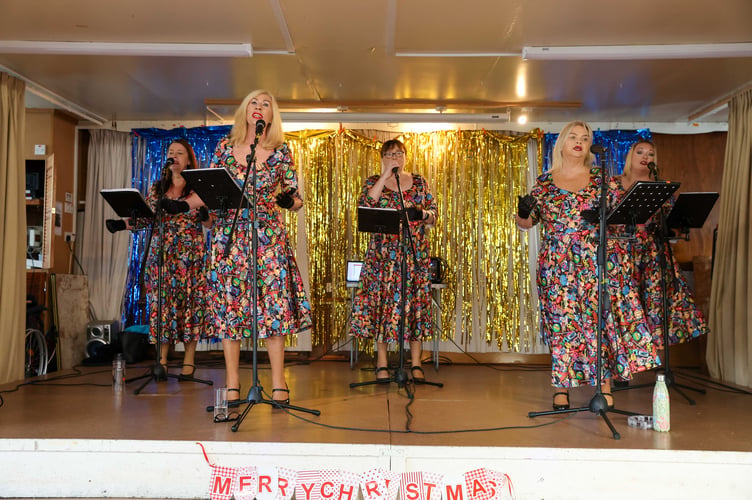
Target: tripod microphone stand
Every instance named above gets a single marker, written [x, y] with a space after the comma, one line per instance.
[370, 220]
[158, 371]
[255, 393]
[129, 203]
[597, 404]
[683, 216]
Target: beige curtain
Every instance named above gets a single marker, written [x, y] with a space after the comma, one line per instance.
[12, 229]
[729, 353]
[104, 256]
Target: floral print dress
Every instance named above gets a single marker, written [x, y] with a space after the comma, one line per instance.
[685, 320]
[183, 279]
[567, 281]
[377, 301]
[282, 305]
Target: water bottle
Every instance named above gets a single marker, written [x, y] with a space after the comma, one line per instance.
[118, 374]
[661, 408]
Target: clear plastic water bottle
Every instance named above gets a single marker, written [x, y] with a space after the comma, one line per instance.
[118, 374]
[661, 407]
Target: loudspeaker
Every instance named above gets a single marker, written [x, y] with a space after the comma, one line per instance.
[100, 335]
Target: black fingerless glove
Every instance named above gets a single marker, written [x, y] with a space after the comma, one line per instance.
[114, 225]
[525, 205]
[203, 213]
[414, 213]
[285, 200]
[591, 216]
[174, 206]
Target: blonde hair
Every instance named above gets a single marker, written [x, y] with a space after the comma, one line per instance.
[556, 161]
[274, 135]
[628, 159]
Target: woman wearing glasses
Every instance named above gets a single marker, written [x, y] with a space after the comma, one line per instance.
[377, 304]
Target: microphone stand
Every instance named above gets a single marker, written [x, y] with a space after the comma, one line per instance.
[598, 404]
[158, 372]
[255, 393]
[664, 247]
[400, 375]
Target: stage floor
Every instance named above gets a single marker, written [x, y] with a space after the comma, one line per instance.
[479, 405]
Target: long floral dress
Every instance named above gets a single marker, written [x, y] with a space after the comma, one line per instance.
[183, 279]
[282, 305]
[567, 288]
[377, 301]
[685, 320]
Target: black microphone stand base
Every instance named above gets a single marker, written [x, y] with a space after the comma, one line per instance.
[191, 378]
[399, 377]
[157, 373]
[255, 396]
[670, 384]
[597, 405]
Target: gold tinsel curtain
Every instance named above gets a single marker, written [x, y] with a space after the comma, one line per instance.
[476, 177]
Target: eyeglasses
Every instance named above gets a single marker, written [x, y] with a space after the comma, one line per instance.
[396, 154]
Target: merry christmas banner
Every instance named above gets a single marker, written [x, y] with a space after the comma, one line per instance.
[280, 483]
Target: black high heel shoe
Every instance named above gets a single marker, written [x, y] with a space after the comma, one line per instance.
[558, 407]
[187, 376]
[382, 380]
[282, 401]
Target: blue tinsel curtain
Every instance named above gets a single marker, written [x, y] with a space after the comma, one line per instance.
[617, 143]
[149, 155]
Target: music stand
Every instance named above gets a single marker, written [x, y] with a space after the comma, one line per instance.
[641, 201]
[218, 191]
[216, 188]
[127, 203]
[391, 221]
[130, 203]
[691, 210]
[378, 220]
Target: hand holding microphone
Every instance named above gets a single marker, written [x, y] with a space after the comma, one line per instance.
[285, 199]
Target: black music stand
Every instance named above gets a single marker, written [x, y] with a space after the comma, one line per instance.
[216, 188]
[378, 220]
[390, 221]
[690, 211]
[642, 200]
[219, 191]
[130, 203]
[127, 203]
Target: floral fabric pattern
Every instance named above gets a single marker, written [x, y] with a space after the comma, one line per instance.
[567, 282]
[183, 276]
[377, 301]
[282, 304]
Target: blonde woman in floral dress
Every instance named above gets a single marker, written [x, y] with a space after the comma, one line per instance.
[567, 277]
[685, 321]
[283, 308]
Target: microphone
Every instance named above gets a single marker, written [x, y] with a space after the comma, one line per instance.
[653, 168]
[597, 149]
[166, 168]
[260, 125]
[395, 170]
